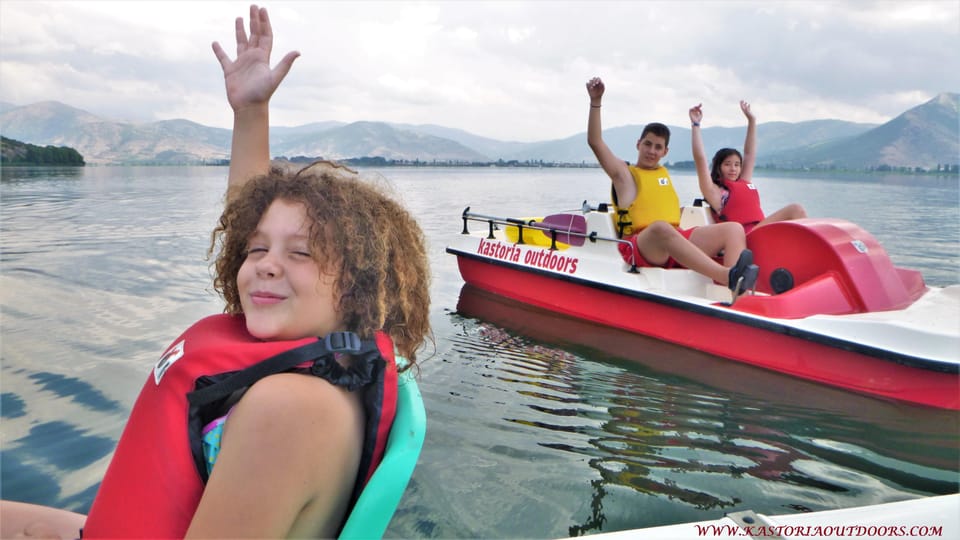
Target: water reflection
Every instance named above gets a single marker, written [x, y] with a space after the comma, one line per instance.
[15, 174]
[654, 420]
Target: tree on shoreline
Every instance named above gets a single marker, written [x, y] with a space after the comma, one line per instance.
[13, 152]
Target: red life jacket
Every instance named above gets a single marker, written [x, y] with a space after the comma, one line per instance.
[156, 477]
[743, 204]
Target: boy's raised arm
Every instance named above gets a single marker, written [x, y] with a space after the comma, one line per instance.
[710, 191]
[250, 82]
[615, 168]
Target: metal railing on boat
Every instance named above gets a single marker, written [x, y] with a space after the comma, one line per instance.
[579, 234]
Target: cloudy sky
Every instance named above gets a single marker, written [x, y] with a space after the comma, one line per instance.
[510, 70]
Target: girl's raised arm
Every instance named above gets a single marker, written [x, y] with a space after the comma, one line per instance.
[250, 83]
[749, 144]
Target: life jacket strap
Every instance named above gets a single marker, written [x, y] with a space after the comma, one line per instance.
[334, 342]
[212, 396]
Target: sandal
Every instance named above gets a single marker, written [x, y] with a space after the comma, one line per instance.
[743, 275]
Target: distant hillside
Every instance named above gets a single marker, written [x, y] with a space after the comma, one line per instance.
[491, 148]
[104, 141]
[774, 137]
[362, 139]
[280, 135]
[926, 136]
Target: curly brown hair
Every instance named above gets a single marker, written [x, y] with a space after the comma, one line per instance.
[358, 232]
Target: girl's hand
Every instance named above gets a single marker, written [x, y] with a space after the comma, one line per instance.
[249, 79]
[745, 107]
[696, 113]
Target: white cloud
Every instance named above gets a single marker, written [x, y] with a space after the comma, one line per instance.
[505, 69]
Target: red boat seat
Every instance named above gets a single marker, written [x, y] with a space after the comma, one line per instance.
[837, 268]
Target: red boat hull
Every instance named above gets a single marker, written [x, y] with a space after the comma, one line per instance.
[761, 343]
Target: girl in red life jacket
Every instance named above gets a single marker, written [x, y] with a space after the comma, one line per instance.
[298, 255]
[727, 185]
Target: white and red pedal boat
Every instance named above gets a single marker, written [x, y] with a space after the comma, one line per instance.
[829, 305]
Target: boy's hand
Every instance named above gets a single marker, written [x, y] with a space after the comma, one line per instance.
[595, 88]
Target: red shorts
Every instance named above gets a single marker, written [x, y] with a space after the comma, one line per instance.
[626, 251]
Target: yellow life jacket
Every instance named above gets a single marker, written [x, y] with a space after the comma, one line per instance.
[656, 200]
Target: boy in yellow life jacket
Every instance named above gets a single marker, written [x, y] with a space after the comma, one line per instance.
[647, 194]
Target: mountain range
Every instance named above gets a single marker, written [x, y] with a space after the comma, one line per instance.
[926, 137]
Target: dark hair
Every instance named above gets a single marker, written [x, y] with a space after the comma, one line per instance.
[370, 241]
[718, 159]
[659, 130]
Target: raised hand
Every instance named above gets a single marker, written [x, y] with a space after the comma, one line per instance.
[249, 79]
[745, 107]
[696, 114]
[595, 88]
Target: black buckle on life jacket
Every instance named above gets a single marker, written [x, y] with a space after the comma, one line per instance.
[347, 342]
[623, 221]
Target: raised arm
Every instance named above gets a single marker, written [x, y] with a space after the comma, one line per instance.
[710, 191]
[615, 168]
[749, 144]
[250, 83]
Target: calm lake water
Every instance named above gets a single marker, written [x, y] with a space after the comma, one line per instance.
[539, 426]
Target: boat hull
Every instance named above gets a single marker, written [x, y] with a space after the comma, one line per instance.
[926, 517]
[747, 338]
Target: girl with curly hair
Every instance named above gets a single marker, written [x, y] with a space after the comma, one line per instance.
[267, 420]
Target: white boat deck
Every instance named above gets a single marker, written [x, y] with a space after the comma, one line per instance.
[928, 517]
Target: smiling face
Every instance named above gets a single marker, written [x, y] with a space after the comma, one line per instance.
[652, 148]
[305, 253]
[726, 166]
[730, 167]
[284, 292]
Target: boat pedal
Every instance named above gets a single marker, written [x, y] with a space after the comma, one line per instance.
[751, 523]
[735, 295]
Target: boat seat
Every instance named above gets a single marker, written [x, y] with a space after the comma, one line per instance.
[379, 499]
[602, 224]
[682, 281]
[696, 215]
[836, 267]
